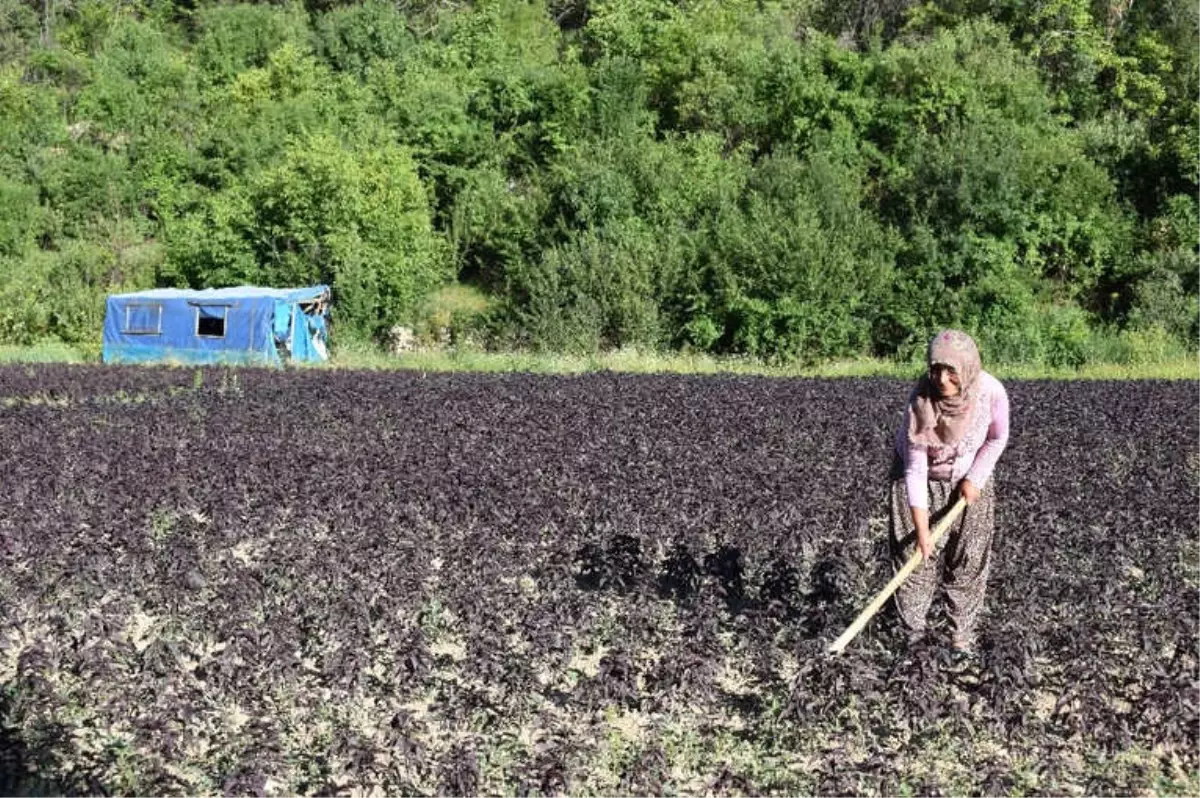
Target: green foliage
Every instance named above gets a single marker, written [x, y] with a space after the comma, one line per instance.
[19, 31]
[60, 294]
[792, 180]
[1013, 325]
[234, 38]
[18, 214]
[30, 122]
[139, 81]
[997, 202]
[1160, 301]
[357, 220]
[730, 68]
[1091, 59]
[495, 224]
[803, 269]
[354, 38]
[633, 202]
[595, 291]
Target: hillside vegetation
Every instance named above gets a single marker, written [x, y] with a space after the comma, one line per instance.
[791, 181]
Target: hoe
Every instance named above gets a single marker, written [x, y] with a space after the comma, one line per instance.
[852, 631]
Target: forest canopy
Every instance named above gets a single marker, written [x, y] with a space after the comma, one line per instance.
[791, 180]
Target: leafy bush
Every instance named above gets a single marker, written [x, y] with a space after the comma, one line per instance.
[357, 37]
[1149, 344]
[596, 291]
[18, 214]
[357, 220]
[60, 294]
[802, 269]
[240, 36]
[1161, 302]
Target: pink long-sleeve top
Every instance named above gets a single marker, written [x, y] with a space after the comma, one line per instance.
[973, 457]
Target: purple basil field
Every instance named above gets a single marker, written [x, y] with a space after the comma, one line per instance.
[316, 582]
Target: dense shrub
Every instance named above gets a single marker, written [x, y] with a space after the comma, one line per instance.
[357, 220]
[789, 180]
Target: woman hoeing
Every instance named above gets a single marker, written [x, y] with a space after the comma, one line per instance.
[954, 431]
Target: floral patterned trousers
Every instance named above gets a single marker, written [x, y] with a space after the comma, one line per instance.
[961, 561]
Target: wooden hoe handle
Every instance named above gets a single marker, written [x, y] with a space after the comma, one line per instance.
[872, 608]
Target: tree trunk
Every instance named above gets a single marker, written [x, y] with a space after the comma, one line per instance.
[47, 24]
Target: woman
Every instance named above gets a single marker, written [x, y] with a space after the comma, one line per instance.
[955, 428]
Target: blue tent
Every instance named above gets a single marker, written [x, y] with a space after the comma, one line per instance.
[243, 325]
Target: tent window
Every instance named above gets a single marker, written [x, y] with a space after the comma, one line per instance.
[143, 319]
[210, 321]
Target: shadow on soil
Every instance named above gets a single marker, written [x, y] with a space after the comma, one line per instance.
[817, 599]
[15, 760]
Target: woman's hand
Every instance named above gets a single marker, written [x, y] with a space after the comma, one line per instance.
[925, 543]
[924, 538]
[968, 491]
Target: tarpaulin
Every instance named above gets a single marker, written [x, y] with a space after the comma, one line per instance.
[242, 325]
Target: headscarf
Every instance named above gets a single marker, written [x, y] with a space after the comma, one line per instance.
[937, 421]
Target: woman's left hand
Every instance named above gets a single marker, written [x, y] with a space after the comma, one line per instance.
[968, 491]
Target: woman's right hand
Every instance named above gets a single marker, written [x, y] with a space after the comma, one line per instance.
[925, 543]
[924, 538]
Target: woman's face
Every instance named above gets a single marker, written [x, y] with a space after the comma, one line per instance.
[945, 379]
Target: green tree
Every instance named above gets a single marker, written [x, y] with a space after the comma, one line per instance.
[357, 220]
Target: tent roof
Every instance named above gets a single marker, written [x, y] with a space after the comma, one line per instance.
[236, 292]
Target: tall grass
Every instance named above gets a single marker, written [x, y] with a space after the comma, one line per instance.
[1170, 365]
